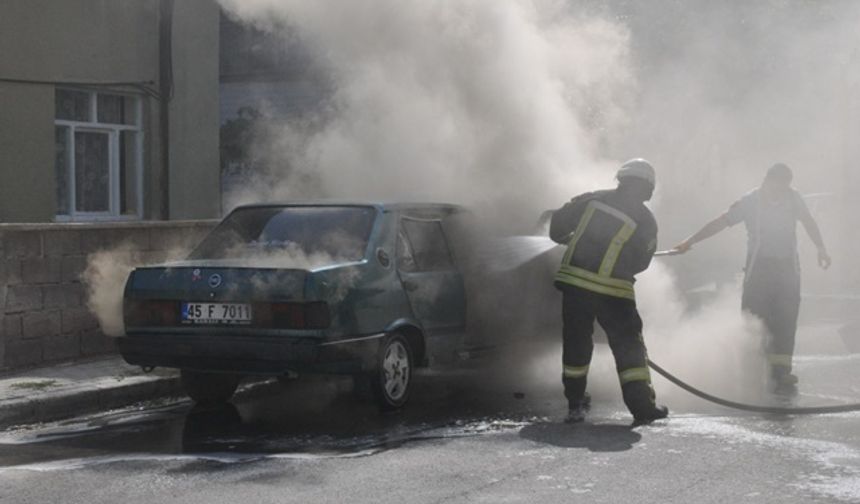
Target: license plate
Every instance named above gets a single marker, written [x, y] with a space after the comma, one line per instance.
[216, 313]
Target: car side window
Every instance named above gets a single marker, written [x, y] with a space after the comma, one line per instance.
[405, 259]
[428, 245]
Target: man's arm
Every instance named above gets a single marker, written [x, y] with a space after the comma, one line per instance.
[708, 230]
[564, 220]
[814, 233]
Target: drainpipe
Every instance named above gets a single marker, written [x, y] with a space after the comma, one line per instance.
[165, 92]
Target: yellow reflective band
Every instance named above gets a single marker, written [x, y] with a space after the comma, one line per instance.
[618, 214]
[614, 250]
[595, 287]
[779, 360]
[594, 277]
[580, 230]
[634, 374]
[587, 280]
[575, 372]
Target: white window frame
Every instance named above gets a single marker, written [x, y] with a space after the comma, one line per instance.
[113, 131]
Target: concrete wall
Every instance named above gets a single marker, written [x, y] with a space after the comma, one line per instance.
[49, 43]
[27, 178]
[195, 179]
[43, 303]
[79, 40]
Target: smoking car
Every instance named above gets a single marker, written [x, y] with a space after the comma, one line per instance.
[369, 290]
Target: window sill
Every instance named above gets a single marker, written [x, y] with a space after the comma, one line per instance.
[64, 219]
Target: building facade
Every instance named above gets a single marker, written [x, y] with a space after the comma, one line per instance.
[109, 110]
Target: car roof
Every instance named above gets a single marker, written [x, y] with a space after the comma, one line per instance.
[381, 205]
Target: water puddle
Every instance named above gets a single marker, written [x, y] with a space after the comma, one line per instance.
[228, 435]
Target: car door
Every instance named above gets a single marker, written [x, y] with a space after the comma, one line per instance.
[433, 285]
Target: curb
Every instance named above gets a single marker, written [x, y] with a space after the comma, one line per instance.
[61, 405]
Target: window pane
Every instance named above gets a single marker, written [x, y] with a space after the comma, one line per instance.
[72, 105]
[128, 170]
[116, 109]
[92, 174]
[61, 166]
[429, 247]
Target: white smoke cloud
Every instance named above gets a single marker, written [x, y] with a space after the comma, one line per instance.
[715, 347]
[105, 276]
[479, 101]
[725, 90]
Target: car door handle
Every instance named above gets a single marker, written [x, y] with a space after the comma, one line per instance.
[410, 286]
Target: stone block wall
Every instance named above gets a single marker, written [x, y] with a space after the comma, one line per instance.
[43, 302]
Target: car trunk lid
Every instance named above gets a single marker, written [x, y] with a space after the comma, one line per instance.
[217, 283]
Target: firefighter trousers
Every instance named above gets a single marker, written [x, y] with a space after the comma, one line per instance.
[620, 320]
[772, 293]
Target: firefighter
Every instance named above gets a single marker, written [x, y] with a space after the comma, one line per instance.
[771, 289]
[610, 236]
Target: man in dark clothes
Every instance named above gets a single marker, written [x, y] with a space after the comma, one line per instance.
[772, 280]
[610, 236]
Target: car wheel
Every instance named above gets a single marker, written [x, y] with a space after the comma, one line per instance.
[392, 379]
[209, 389]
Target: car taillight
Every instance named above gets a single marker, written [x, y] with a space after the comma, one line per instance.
[313, 315]
[150, 313]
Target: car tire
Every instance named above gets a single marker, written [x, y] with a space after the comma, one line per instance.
[391, 382]
[209, 389]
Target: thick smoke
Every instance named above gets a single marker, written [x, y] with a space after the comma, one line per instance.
[105, 276]
[725, 90]
[515, 106]
[499, 104]
[714, 346]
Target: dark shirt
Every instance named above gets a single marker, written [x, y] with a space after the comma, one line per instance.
[771, 225]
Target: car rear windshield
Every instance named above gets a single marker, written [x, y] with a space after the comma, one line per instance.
[322, 234]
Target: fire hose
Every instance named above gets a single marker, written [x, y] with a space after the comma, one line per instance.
[814, 410]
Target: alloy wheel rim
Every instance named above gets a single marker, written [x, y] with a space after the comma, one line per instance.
[395, 370]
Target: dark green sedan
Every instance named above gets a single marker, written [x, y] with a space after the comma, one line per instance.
[369, 290]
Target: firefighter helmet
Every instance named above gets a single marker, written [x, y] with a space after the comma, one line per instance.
[638, 168]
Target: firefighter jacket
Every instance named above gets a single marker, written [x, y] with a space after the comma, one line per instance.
[609, 238]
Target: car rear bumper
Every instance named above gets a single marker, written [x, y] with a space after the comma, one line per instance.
[269, 355]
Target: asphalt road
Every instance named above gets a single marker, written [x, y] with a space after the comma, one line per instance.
[471, 435]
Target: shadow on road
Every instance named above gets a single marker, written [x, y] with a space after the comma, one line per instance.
[594, 437]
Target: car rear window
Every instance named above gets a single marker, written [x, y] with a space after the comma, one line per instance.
[336, 233]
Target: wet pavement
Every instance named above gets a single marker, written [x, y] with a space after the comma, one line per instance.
[468, 435]
[318, 416]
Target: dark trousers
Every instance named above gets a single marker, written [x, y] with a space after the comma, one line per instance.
[772, 293]
[623, 326]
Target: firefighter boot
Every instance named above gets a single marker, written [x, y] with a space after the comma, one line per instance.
[639, 399]
[785, 385]
[646, 418]
[576, 412]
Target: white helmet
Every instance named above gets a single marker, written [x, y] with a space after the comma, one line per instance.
[639, 168]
